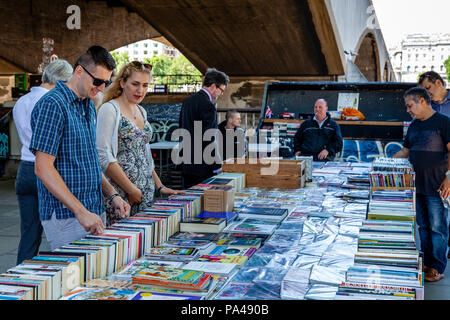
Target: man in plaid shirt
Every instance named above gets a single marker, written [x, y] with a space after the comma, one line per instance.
[70, 180]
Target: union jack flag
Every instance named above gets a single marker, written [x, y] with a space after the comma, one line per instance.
[269, 113]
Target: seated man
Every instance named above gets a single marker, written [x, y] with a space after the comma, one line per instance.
[319, 137]
[233, 143]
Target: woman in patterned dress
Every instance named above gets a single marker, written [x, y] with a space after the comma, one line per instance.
[123, 137]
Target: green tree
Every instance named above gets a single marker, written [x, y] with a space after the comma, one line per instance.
[187, 72]
[121, 59]
[160, 67]
[447, 67]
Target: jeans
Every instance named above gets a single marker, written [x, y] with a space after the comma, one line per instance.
[30, 225]
[431, 218]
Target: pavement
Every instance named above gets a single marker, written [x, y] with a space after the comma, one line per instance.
[10, 236]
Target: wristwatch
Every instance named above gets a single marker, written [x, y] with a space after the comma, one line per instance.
[448, 174]
[160, 188]
[110, 199]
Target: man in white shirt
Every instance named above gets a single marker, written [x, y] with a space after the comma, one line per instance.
[26, 189]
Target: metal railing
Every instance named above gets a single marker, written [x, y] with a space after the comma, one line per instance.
[177, 83]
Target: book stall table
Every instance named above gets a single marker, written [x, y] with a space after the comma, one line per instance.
[312, 242]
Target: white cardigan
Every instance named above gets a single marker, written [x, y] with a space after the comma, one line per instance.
[108, 119]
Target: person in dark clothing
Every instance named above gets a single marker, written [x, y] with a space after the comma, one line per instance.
[319, 137]
[199, 112]
[233, 136]
[427, 145]
[440, 97]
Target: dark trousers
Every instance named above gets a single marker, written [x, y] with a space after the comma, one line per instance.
[190, 180]
[30, 224]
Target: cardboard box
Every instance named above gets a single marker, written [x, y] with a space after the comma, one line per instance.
[219, 199]
[280, 173]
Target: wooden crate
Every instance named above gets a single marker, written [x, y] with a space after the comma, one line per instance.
[291, 174]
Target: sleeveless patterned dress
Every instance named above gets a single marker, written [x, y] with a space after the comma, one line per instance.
[132, 158]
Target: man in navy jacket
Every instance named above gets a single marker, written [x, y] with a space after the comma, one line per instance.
[199, 111]
[319, 137]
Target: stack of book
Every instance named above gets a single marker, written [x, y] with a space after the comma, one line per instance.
[392, 164]
[375, 291]
[185, 280]
[172, 254]
[239, 179]
[86, 293]
[382, 234]
[252, 226]
[392, 205]
[316, 242]
[276, 214]
[191, 205]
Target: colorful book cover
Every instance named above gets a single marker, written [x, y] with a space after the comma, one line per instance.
[206, 221]
[164, 296]
[232, 251]
[223, 258]
[163, 273]
[81, 293]
[171, 251]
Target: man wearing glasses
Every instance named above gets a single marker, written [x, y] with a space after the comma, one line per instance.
[198, 111]
[70, 181]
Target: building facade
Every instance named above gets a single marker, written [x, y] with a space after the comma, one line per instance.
[419, 53]
[147, 49]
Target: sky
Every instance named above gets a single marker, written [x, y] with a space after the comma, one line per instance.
[400, 17]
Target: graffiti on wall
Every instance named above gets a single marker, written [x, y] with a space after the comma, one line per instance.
[4, 146]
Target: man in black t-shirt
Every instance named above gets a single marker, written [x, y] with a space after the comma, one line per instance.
[427, 145]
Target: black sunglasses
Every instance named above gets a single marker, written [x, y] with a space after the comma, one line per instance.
[97, 82]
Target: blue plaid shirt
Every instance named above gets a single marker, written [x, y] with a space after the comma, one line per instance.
[443, 107]
[64, 126]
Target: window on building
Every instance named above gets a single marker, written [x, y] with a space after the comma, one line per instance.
[145, 45]
[155, 52]
[135, 52]
[432, 68]
[145, 52]
[155, 45]
[136, 45]
[442, 68]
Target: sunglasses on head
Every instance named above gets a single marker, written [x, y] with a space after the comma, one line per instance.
[97, 82]
[138, 64]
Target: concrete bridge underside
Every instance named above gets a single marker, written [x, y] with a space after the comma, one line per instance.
[242, 37]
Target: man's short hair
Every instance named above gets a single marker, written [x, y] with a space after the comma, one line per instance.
[230, 114]
[431, 76]
[96, 56]
[214, 76]
[57, 70]
[416, 93]
[321, 99]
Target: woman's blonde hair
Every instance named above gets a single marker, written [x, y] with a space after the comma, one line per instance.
[115, 90]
